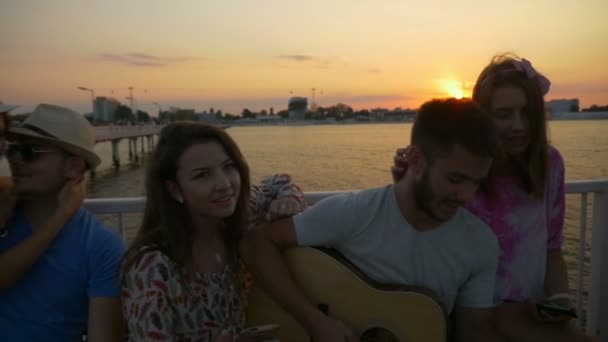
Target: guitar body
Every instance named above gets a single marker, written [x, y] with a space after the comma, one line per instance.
[375, 312]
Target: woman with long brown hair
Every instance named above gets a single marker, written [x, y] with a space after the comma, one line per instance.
[182, 276]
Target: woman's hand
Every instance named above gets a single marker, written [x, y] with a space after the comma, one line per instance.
[7, 207]
[546, 315]
[70, 197]
[400, 163]
[283, 207]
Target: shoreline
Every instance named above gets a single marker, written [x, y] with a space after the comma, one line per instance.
[323, 123]
[578, 116]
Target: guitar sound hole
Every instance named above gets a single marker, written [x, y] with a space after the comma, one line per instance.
[378, 335]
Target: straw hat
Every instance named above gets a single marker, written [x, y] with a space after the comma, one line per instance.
[61, 127]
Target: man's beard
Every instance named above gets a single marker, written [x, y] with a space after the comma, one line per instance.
[423, 195]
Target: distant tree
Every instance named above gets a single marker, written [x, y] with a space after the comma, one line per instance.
[186, 114]
[247, 114]
[271, 111]
[339, 111]
[321, 112]
[123, 113]
[163, 116]
[347, 111]
[219, 115]
[179, 115]
[331, 112]
[263, 112]
[596, 108]
[142, 116]
[283, 113]
[363, 112]
[89, 117]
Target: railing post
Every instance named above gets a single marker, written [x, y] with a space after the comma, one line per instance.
[115, 154]
[597, 315]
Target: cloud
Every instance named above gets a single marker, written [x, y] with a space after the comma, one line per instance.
[320, 63]
[297, 58]
[142, 59]
[361, 99]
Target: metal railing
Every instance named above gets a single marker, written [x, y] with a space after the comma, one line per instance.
[591, 192]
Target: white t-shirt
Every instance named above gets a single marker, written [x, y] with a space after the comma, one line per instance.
[4, 168]
[457, 260]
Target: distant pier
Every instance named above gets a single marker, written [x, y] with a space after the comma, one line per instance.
[142, 133]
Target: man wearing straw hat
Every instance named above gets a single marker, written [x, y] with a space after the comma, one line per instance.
[72, 289]
[4, 122]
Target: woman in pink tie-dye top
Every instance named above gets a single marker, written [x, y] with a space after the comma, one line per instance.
[529, 231]
[524, 200]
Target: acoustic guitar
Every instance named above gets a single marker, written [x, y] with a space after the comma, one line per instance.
[376, 312]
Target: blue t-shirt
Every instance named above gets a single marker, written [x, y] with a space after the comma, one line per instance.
[50, 302]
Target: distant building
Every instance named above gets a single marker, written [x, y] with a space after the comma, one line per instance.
[401, 115]
[579, 116]
[104, 108]
[176, 113]
[178, 110]
[297, 108]
[555, 107]
[377, 114]
[206, 116]
[268, 118]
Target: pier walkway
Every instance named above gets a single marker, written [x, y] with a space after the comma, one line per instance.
[132, 133]
[109, 133]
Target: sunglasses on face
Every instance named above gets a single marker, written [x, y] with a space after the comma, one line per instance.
[27, 152]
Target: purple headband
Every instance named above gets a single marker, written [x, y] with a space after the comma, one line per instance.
[526, 67]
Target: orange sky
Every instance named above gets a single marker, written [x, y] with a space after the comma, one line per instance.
[233, 54]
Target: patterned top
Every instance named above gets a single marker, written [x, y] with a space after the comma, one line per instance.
[159, 308]
[526, 229]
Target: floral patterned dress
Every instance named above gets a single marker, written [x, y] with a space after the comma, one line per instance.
[159, 305]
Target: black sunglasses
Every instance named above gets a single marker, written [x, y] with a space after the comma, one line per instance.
[27, 152]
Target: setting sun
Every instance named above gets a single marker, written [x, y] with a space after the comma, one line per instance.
[453, 88]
